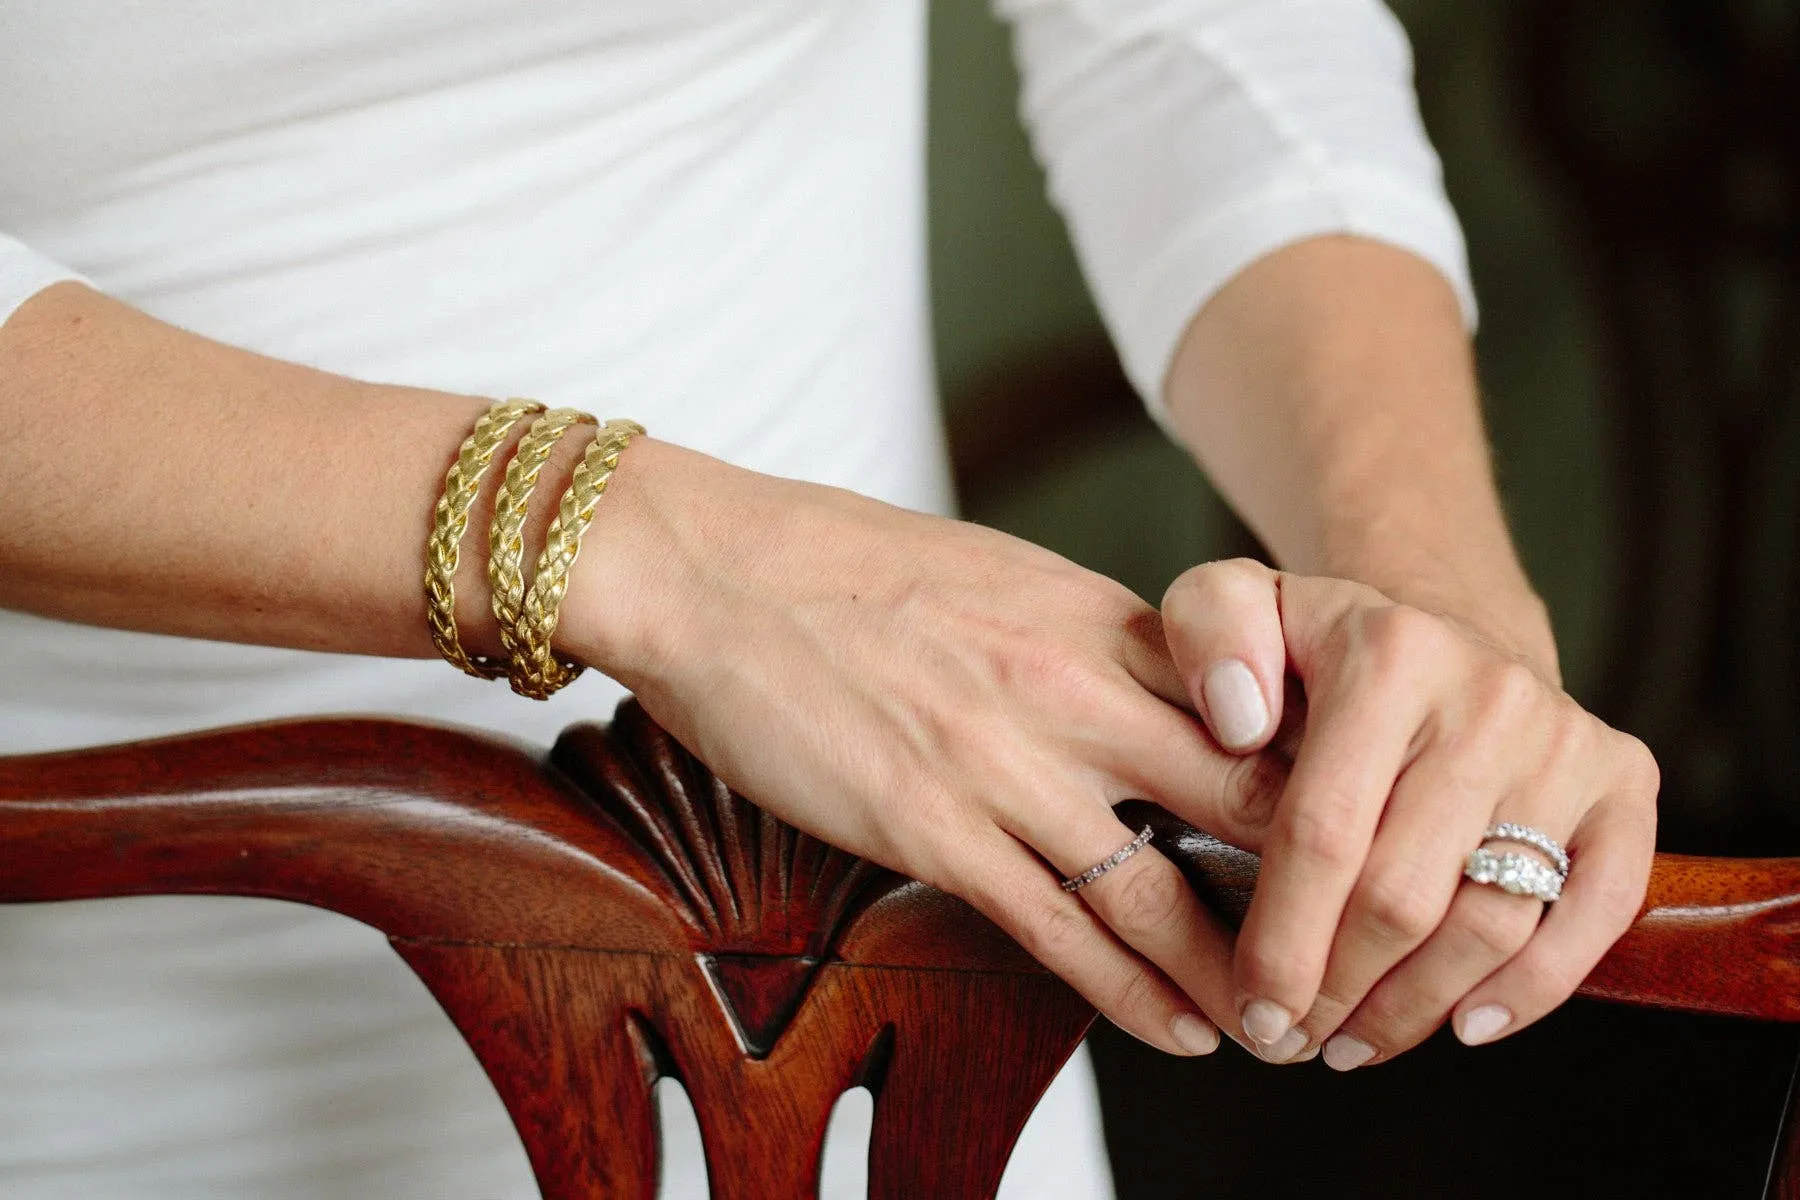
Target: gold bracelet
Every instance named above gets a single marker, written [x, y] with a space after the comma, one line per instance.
[462, 483]
[506, 539]
[537, 672]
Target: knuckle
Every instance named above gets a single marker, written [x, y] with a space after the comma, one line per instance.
[1330, 1008]
[1241, 567]
[1641, 770]
[1510, 690]
[1148, 899]
[1198, 585]
[1188, 593]
[1091, 593]
[1054, 933]
[1572, 739]
[1253, 788]
[1500, 930]
[1138, 993]
[929, 840]
[1044, 668]
[1319, 834]
[1550, 980]
[1390, 1033]
[1387, 1018]
[1397, 637]
[1397, 908]
[1274, 968]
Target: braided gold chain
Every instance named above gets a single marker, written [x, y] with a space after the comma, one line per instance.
[506, 539]
[462, 483]
[537, 672]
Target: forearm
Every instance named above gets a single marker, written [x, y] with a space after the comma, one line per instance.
[1329, 391]
[158, 481]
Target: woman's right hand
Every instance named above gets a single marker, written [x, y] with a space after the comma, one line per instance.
[934, 696]
[938, 697]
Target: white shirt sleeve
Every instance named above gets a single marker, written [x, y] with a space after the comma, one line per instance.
[24, 273]
[1184, 139]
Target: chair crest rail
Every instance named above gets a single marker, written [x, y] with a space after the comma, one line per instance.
[617, 914]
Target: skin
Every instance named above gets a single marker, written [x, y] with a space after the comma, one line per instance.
[1431, 696]
[940, 697]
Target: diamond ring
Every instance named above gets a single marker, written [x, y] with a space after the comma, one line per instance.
[1537, 839]
[1076, 882]
[1517, 874]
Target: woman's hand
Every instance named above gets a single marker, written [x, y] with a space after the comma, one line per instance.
[1417, 735]
[938, 697]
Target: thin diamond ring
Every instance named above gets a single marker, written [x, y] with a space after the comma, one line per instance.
[1076, 882]
[1537, 839]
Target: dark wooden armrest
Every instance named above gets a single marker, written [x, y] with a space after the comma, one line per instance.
[617, 915]
[1716, 935]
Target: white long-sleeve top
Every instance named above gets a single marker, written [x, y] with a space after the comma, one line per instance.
[704, 214]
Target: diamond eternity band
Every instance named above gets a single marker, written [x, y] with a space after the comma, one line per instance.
[1537, 839]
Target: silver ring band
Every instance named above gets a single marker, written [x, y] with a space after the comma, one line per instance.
[1537, 839]
[1076, 882]
[1514, 873]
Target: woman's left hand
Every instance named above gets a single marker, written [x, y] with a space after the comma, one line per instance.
[1416, 735]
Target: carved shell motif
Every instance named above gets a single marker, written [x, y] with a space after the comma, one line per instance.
[764, 903]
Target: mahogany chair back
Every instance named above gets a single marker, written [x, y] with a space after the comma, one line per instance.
[617, 915]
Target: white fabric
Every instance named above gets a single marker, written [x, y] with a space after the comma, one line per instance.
[702, 213]
[1184, 139]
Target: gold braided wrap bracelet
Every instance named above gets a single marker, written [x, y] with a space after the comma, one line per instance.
[506, 539]
[527, 616]
[462, 483]
[536, 671]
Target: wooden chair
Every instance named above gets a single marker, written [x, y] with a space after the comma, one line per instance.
[617, 915]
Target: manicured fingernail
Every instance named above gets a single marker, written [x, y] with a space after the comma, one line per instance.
[1346, 1053]
[1291, 1043]
[1266, 1021]
[1483, 1024]
[1194, 1035]
[1234, 704]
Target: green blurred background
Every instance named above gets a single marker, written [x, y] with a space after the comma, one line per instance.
[1006, 288]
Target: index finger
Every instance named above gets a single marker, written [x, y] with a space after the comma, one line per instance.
[1357, 741]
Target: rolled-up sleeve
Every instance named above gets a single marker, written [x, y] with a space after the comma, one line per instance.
[1184, 139]
[24, 273]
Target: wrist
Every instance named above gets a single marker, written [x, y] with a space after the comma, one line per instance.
[603, 616]
[1516, 624]
[667, 513]
[1483, 589]
[596, 618]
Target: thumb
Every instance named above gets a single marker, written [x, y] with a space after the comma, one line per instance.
[1223, 623]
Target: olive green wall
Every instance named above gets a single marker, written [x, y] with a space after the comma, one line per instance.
[1006, 286]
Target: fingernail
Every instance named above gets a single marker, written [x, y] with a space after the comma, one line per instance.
[1194, 1035]
[1346, 1053]
[1291, 1043]
[1266, 1021]
[1483, 1024]
[1234, 704]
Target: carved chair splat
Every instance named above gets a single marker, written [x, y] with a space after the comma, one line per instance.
[617, 915]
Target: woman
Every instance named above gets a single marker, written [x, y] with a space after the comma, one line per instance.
[312, 243]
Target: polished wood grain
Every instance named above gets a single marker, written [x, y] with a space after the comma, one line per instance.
[616, 915]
